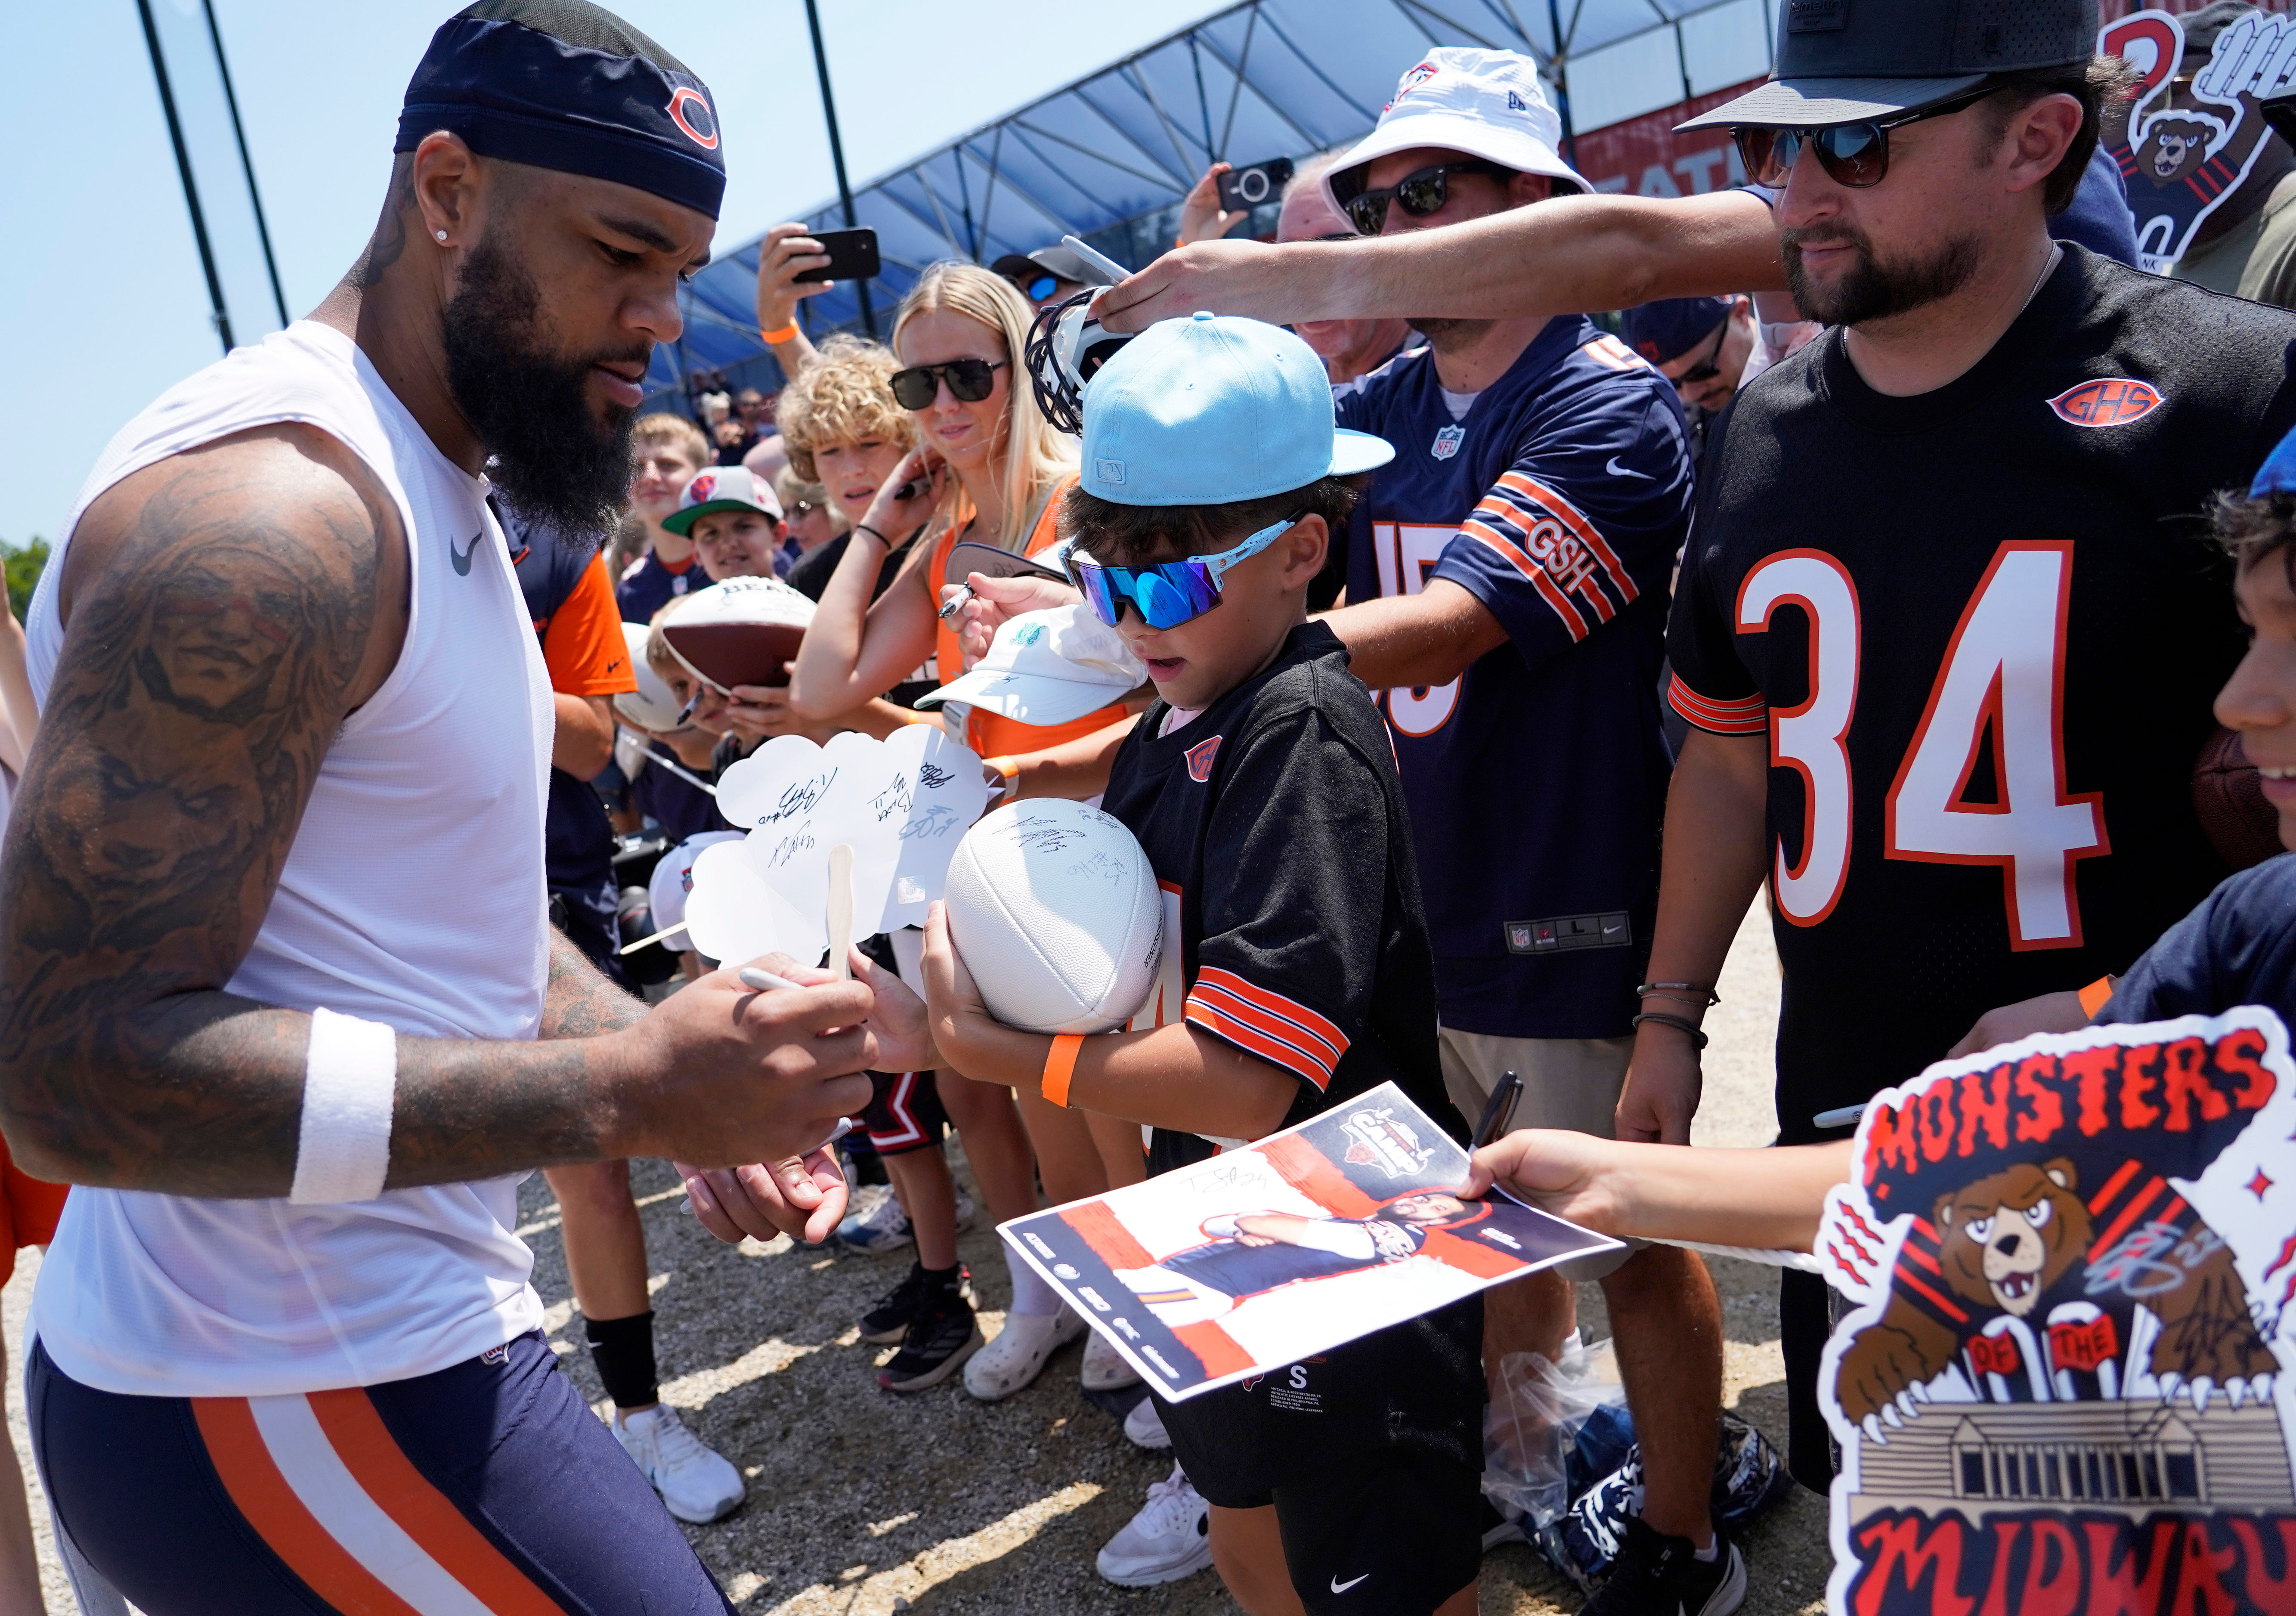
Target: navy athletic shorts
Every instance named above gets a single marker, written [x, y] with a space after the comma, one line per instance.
[489, 1486]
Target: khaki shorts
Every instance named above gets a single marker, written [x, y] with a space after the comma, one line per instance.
[1570, 1083]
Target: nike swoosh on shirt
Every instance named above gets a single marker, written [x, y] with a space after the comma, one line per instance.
[1340, 1588]
[1612, 466]
[462, 557]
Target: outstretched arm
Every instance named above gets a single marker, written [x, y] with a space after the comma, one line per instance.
[1763, 1198]
[1560, 257]
[226, 610]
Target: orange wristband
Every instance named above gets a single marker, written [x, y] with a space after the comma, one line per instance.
[1060, 1066]
[782, 335]
[2093, 998]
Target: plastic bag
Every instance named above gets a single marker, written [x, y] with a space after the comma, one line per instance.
[1549, 1432]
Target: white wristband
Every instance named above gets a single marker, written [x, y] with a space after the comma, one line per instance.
[350, 1078]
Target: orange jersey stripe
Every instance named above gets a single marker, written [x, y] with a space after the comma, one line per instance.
[261, 1494]
[371, 1453]
[1268, 1026]
[1252, 1041]
[1747, 716]
[1574, 519]
[1298, 1014]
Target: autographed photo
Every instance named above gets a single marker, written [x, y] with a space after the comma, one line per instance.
[1273, 1252]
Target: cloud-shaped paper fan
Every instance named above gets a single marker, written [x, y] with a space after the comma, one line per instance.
[732, 916]
[901, 805]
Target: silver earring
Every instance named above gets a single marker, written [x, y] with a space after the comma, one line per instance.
[440, 235]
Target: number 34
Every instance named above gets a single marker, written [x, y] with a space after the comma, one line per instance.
[2004, 674]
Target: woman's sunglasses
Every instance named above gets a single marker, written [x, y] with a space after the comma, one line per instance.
[1419, 194]
[970, 380]
[1170, 593]
[1852, 154]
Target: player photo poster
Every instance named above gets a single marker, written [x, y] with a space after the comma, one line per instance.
[1273, 1252]
[2059, 1385]
[2187, 144]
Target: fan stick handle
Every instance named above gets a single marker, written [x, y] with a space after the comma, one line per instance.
[841, 910]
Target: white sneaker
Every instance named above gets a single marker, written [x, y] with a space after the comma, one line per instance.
[1169, 1539]
[1018, 1354]
[695, 1481]
[881, 1226]
[1144, 1426]
[1104, 1369]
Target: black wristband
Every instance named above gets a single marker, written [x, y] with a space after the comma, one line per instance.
[1683, 1022]
[863, 526]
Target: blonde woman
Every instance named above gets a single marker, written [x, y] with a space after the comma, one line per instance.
[986, 467]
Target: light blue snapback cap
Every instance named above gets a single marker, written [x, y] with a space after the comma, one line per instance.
[1211, 410]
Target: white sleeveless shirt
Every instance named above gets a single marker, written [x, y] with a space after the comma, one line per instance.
[412, 895]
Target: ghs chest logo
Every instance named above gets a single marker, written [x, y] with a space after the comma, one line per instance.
[2107, 401]
[1447, 441]
[1200, 758]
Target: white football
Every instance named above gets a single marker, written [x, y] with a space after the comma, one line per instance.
[1053, 908]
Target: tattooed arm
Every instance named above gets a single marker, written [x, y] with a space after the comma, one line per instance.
[226, 610]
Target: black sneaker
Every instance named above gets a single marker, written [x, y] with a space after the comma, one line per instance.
[889, 1320]
[940, 1338]
[1660, 1576]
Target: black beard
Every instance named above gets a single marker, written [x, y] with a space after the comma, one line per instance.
[529, 405]
[1876, 288]
[1449, 336]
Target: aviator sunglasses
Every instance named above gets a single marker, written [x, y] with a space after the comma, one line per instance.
[1419, 194]
[1852, 154]
[970, 380]
[1170, 593]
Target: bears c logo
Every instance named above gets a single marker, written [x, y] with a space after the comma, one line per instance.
[2107, 401]
[689, 109]
[1200, 758]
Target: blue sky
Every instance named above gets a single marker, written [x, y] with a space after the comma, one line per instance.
[101, 297]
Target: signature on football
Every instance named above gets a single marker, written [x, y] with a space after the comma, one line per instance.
[1042, 836]
[932, 776]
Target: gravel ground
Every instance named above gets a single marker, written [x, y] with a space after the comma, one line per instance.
[861, 1502]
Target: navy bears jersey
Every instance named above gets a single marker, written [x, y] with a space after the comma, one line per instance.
[1980, 629]
[1537, 779]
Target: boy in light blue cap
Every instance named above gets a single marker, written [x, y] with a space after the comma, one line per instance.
[1298, 972]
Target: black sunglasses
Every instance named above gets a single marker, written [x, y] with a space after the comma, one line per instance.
[1712, 365]
[970, 380]
[1421, 194]
[1852, 154]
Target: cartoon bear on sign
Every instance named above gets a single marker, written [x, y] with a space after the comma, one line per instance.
[2020, 1245]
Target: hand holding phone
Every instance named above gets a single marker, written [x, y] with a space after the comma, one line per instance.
[1242, 190]
[852, 257]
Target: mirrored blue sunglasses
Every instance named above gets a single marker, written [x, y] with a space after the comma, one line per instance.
[1170, 593]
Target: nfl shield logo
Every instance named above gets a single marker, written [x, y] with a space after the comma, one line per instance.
[1447, 441]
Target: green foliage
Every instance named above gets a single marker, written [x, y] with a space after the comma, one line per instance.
[23, 564]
